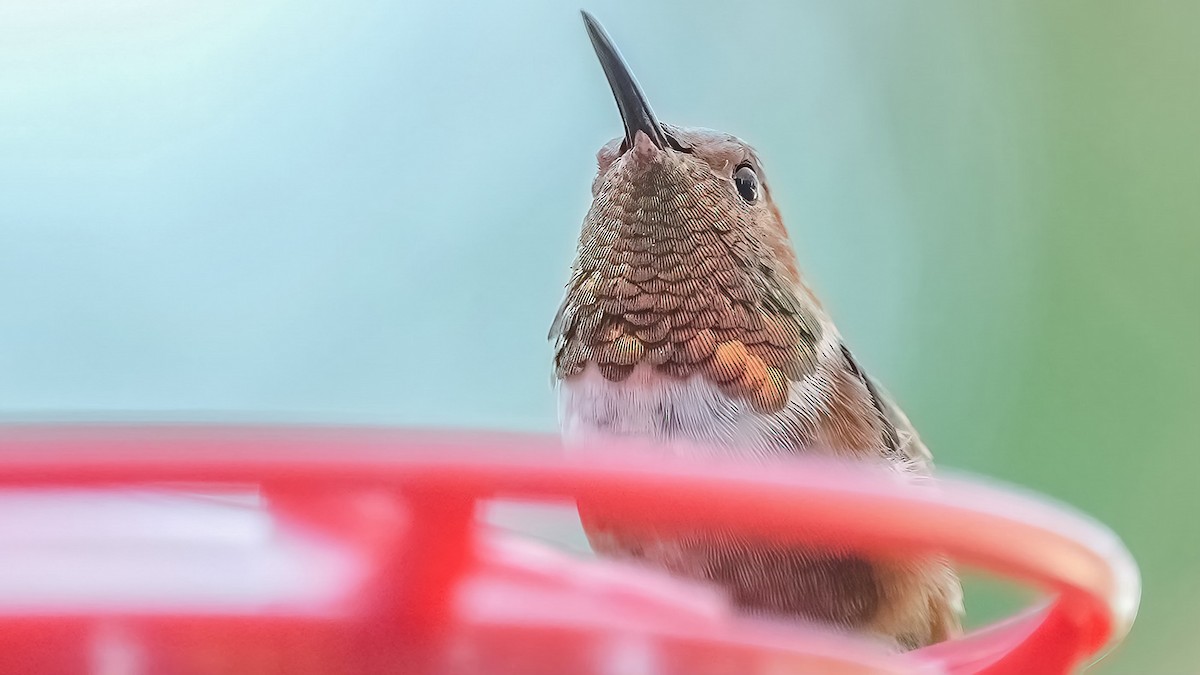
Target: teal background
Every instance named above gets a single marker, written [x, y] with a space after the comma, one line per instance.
[363, 211]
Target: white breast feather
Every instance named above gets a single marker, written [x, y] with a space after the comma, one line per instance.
[690, 415]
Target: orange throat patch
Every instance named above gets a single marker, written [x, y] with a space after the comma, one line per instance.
[663, 277]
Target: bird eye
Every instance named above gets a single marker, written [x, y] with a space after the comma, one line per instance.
[747, 183]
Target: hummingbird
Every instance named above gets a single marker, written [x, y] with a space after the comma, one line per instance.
[686, 323]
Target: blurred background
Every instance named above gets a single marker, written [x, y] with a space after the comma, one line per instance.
[364, 211]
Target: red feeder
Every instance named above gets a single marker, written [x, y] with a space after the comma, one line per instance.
[367, 558]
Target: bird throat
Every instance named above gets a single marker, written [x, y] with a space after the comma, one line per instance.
[667, 276]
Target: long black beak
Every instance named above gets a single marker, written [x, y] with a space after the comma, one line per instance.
[635, 111]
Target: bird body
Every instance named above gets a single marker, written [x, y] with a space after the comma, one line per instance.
[686, 322]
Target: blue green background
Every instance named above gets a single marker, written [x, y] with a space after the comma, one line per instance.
[363, 211]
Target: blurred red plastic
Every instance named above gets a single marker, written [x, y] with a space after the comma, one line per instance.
[367, 558]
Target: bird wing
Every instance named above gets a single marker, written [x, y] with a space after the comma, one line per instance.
[908, 442]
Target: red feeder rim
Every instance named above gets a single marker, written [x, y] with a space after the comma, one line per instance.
[368, 558]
